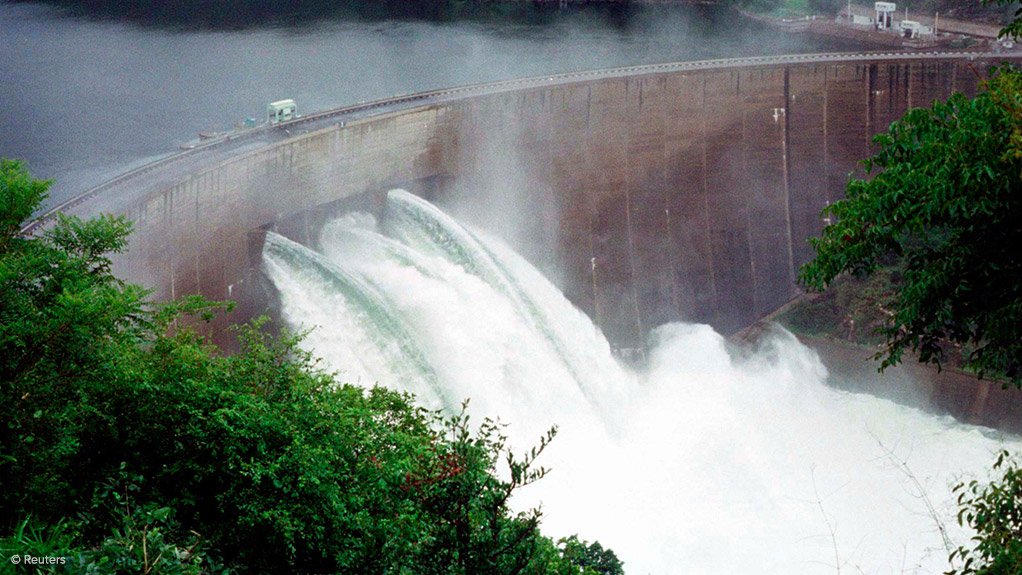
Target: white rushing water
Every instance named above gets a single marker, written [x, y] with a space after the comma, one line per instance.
[706, 462]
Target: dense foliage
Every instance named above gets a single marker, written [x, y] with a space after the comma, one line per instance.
[945, 201]
[994, 511]
[591, 558]
[132, 445]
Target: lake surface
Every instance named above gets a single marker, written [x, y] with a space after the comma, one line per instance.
[88, 95]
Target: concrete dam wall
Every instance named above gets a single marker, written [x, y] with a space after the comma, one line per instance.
[659, 193]
[649, 194]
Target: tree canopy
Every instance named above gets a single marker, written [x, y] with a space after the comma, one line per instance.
[1014, 27]
[944, 206]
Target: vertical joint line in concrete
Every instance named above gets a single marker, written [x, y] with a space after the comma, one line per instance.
[870, 103]
[706, 212]
[826, 144]
[908, 86]
[592, 263]
[673, 260]
[631, 248]
[786, 153]
[198, 274]
[168, 207]
[589, 106]
[748, 205]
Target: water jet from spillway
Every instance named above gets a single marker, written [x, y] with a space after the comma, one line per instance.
[706, 461]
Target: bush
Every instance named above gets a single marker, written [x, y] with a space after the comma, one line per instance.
[994, 512]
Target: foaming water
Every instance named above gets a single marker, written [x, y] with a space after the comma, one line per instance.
[708, 461]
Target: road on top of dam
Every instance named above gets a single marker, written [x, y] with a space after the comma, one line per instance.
[136, 184]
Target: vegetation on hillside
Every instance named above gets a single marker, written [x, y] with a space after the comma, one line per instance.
[996, 12]
[246, 14]
[132, 445]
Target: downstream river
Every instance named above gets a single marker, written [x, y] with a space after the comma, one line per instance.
[90, 94]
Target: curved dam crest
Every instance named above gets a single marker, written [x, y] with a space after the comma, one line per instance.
[657, 193]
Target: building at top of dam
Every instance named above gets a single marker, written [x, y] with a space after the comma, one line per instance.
[657, 193]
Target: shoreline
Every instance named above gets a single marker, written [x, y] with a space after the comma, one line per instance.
[954, 33]
[983, 37]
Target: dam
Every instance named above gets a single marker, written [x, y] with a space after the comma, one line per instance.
[658, 193]
[665, 192]
[650, 195]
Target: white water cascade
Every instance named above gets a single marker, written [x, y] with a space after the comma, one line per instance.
[706, 462]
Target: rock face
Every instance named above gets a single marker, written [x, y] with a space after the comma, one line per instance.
[657, 195]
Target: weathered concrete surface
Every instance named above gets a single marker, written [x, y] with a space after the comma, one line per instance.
[682, 194]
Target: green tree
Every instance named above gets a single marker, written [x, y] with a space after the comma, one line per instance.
[945, 202]
[590, 558]
[62, 318]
